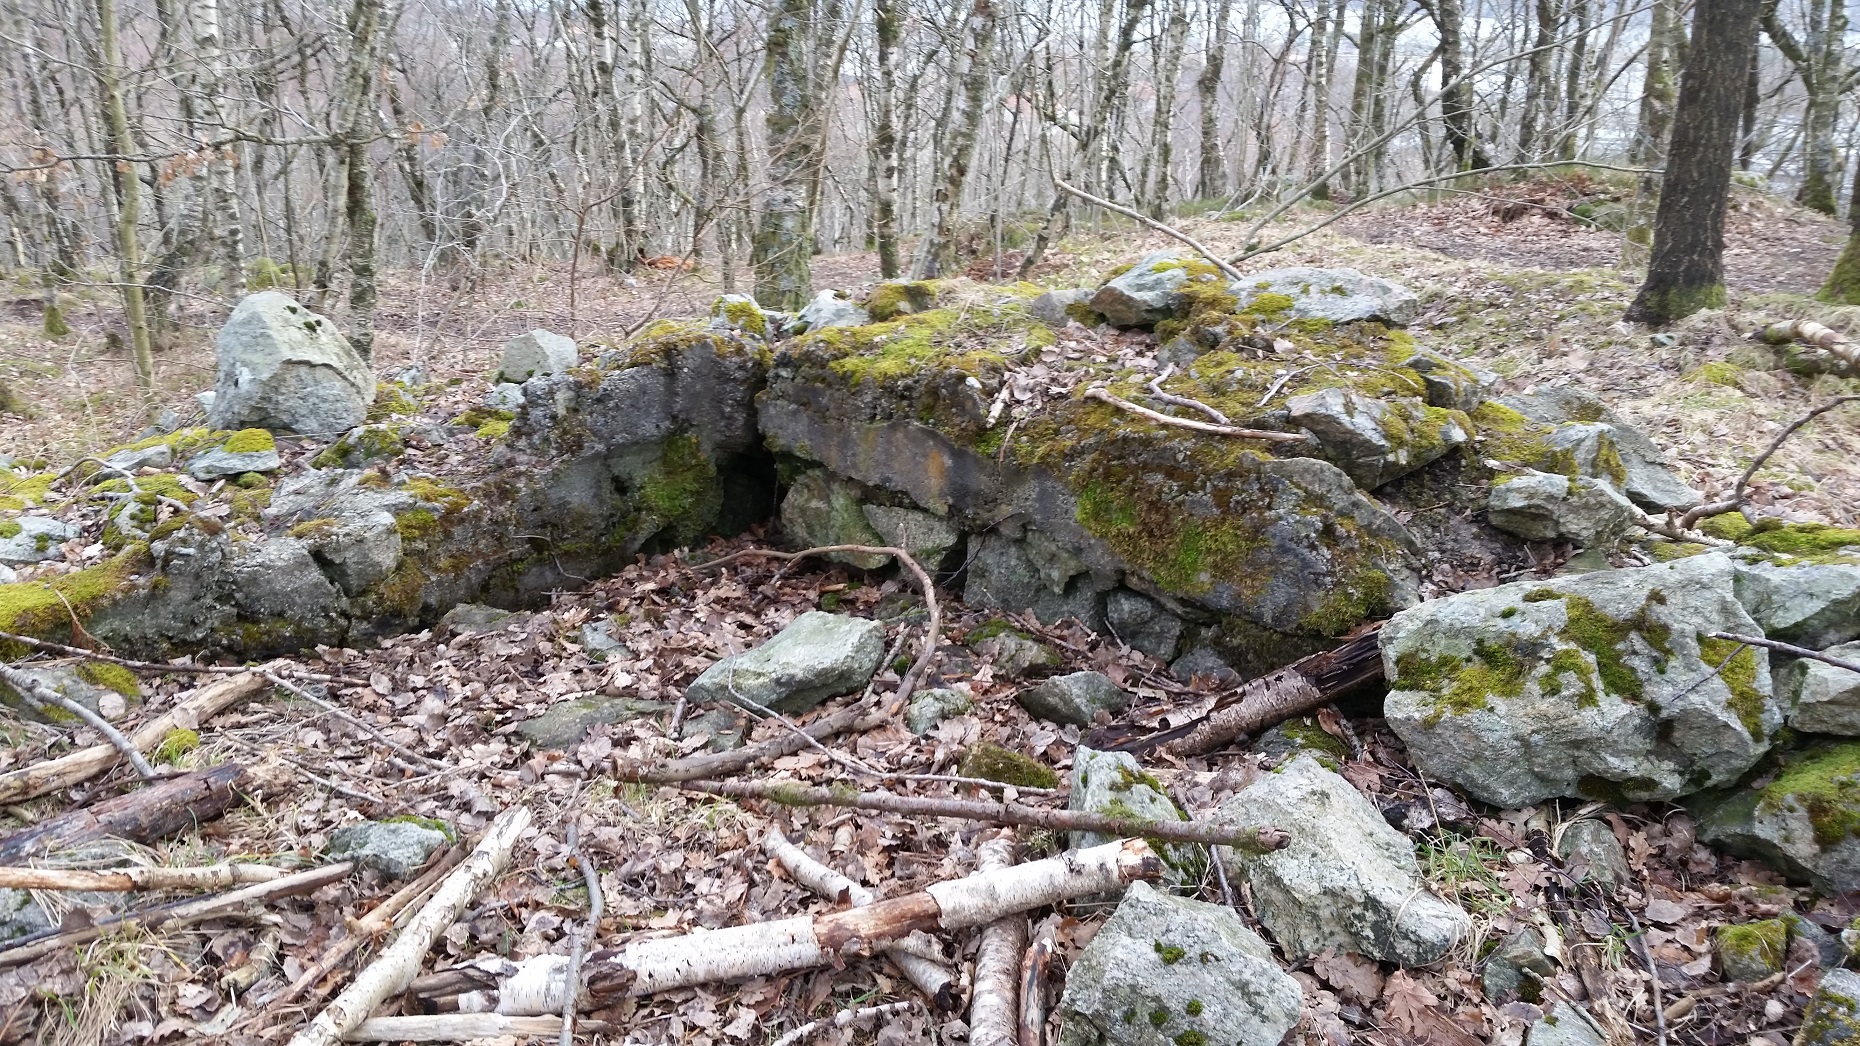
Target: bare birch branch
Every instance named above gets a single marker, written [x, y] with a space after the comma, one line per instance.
[124, 880]
[1143, 219]
[1198, 426]
[993, 1014]
[1736, 500]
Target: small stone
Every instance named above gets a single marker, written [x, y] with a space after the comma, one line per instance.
[1076, 699]
[599, 641]
[930, 707]
[1373, 440]
[819, 656]
[565, 723]
[828, 309]
[1826, 698]
[396, 849]
[1508, 969]
[1203, 661]
[1802, 822]
[1541, 506]
[205, 400]
[1565, 1024]
[740, 313]
[37, 539]
[158, 456]
[1450, 385]
[411, 377]
[537, 352]
[1050, 307]
[220, 462]
[1751, 951]
[8, 575]
[1833, 1017]
[1145, 293]
[105, 690]
[1591, 843]
[1014, 654]
[470, 618]
[724, 727]
[1281, 742]
[504, 396]
[20, 915]
[1168, 969]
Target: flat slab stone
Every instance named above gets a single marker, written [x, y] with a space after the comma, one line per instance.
[819, 656]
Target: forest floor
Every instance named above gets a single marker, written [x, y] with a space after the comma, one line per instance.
[1512, 295]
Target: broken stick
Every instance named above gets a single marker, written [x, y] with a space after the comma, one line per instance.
[397, 964]
[852, 719]
[43, 699]
[461, 1027]
[377, 922]
[138, 877]
[644, 967]
[931, 977]
[788, 793]
[153, 812]
[1198, 426]
[69, 769]
[993, 1016]
[1790, 649]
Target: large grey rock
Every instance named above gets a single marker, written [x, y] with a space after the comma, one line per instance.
[565, 723]
[1542, 506]
[1601, 685]
[1076, 699]
[1050, 307]
[537, 352]
[1143, 623]
[287, 369]
[823, 509]
[1145, 293]
[1034, 573]
[357, 551]
[396, 849]
[1346, 880]
[1168, 971]
[828, 309]
[1833, 1017]
[1824, 699]
[1337, 295]
[1375, 440]
[158, 456]
[219, 462]
[932, 706]
[1804, 822]
[1815, 605]
[20, 915]
[34, 539]
[1627, 458]
[926, 537]
[1114, 784]
[1565, 1024]
[818, 656]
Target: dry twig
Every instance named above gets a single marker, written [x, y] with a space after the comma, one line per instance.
[138, 877]
[1197, 246]
[1790, 649]
[1736, 500]
[843, 1019]
[43, 698]
[1189, 423]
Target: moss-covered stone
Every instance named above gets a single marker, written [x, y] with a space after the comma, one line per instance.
[36, 608]
[1751, 951]
[1824, 782]
[111, 677]
[1736, 664]
[895, 298]
[175, 745]
[991, 762]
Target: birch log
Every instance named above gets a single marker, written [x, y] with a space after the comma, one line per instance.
[992, 1016]
[931, 977]
[40, 778]
[396, 966]
[536, 985]
[139, 877]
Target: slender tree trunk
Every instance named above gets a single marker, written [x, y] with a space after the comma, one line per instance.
[1576, 79]
[939, 255]
[1656, 98]
[1162, 128]
[1538, 83]
[1456, 100]
[1686, 272]
[886, 30]
[128, 205]
[1211, 173]
[1320, 65]
[222, 176]
[784, 240]
[1843, 286]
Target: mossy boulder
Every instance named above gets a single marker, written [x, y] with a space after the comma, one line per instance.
[1543, 506]
[1113, 784]
[1376, 440]
[894, 298]
[1799, 813]
[1151, 290]
[105, 689]
[1329, 295]
[1750, 951]
[1604, 686]
[1627, 458]
[34, 539]
[816, 657]
[1833, 1017]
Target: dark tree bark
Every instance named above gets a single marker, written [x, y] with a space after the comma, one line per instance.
[1843, 286]
[1211, 173]
[1456, 102]
[1686, 272]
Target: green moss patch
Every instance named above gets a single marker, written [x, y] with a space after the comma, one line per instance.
[1755, 945]
[20, 492]
[1739, 672]
[250, 441]
[111, 677]
[1607, 640]
[991, 762]
[36, 608]
[175, 745]
[1824, 782]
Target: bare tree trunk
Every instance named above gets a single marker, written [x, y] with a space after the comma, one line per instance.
[1538, 88]
[784, 241]
[1162, 128]
[1656, 99]
[886, 30]
[1456, 100]
[222, 180]
[1686, 273]
[1818, 59]
[128, 205]
[1576, 79]
[1211, 173]
[939, 253]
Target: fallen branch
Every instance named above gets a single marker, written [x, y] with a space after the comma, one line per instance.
[378, 921]
[145, 667]
[138, 877]
[933, 630]
[789, 793]
[43, 699]
[843, 1019]
[85, 763]
[1033, 991]
[179, 914]
[369, 729]
[1815, 335]
[153, 812]
[593, 880]
[1218, 262]
[937, 983]
[1736, 500]
[1790, 649]
[1672, 529]
[1157, 393]
[852, 719]
[645, 967]
[397, 965]
[1189, 423]
[461, 1027]
[993, 1016]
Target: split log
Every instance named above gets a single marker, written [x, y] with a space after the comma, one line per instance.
[399, 963]
[539, 984]
[993, 1015]
[930, 976]
[1033, 991]
[1818, 336]
[462, 1027]
[853, 719]
[154, 812]
[991, 811]
[69, 769]
[138, 877]
[1298, 688]
[181, 913]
